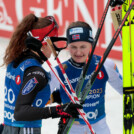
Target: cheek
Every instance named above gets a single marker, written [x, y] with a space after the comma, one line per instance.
[87, 50]
[71, 51]
[46, 49]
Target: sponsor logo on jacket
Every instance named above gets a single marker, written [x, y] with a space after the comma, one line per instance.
[30, 85]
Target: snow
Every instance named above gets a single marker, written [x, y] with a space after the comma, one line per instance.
[114, 101]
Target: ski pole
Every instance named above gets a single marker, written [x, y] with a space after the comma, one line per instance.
[85, 68]
[98, 67]
[81, 111]
[107, 51]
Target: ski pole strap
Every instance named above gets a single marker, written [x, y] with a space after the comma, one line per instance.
[64, 125]
[128, 90]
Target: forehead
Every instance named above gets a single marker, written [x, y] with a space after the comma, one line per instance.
[79, 43]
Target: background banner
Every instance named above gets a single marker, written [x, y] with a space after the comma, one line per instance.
[65, 11]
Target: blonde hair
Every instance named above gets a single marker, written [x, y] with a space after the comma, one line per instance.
[78, 23]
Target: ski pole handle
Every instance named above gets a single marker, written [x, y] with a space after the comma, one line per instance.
[47, 39]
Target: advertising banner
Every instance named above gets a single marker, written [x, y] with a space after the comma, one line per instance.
[65, 11]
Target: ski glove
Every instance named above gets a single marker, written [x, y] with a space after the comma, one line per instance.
[1, 128]
[67, 110]
[114, 3]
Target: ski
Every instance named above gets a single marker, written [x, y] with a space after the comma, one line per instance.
[128, 70]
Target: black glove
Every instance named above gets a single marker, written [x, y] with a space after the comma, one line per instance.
[1, 128]
[114, 3]
[67, 110]
[56, 97]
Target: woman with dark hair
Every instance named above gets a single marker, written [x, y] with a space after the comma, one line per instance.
[26, 82]
[79, 35]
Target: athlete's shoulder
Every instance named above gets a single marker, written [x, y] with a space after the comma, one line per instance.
[96, 58]
[29, 63]
[112, 69]
[63, 64]
[114, 76]
[109, 63]
[110, 66]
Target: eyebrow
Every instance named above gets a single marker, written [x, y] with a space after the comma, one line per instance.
[83, 45]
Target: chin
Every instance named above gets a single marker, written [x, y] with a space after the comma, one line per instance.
[79, 61]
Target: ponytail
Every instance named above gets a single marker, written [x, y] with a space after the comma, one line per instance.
[16, 44]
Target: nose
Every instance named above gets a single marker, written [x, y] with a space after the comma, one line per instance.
[78, 51]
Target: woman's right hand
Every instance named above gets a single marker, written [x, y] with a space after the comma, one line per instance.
[67, 110]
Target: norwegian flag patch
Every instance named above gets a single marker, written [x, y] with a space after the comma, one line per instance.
[75, 37]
